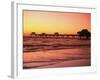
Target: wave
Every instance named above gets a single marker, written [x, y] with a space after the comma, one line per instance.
[34, 48]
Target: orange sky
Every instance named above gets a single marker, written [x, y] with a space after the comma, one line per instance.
[50, 22]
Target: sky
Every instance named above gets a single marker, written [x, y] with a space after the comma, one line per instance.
[50, 22]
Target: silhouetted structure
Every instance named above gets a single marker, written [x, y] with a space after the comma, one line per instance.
[33, 34]
[43, 34]
[56, 34]
[84, 34]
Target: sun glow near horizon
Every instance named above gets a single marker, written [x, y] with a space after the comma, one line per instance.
[50, 22]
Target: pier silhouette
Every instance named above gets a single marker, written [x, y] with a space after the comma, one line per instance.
[83, 34]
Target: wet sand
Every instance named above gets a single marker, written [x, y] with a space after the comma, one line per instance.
[72, 57]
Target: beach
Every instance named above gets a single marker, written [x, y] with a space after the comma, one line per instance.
[53, 53]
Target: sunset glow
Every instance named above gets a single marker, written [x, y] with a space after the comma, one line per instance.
[56, 39]
[50, 22]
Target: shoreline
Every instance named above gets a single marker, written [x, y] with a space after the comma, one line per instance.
[55, 48]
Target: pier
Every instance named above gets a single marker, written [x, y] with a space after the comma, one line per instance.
[61, 36]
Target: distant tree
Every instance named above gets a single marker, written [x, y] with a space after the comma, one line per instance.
[84, 33]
